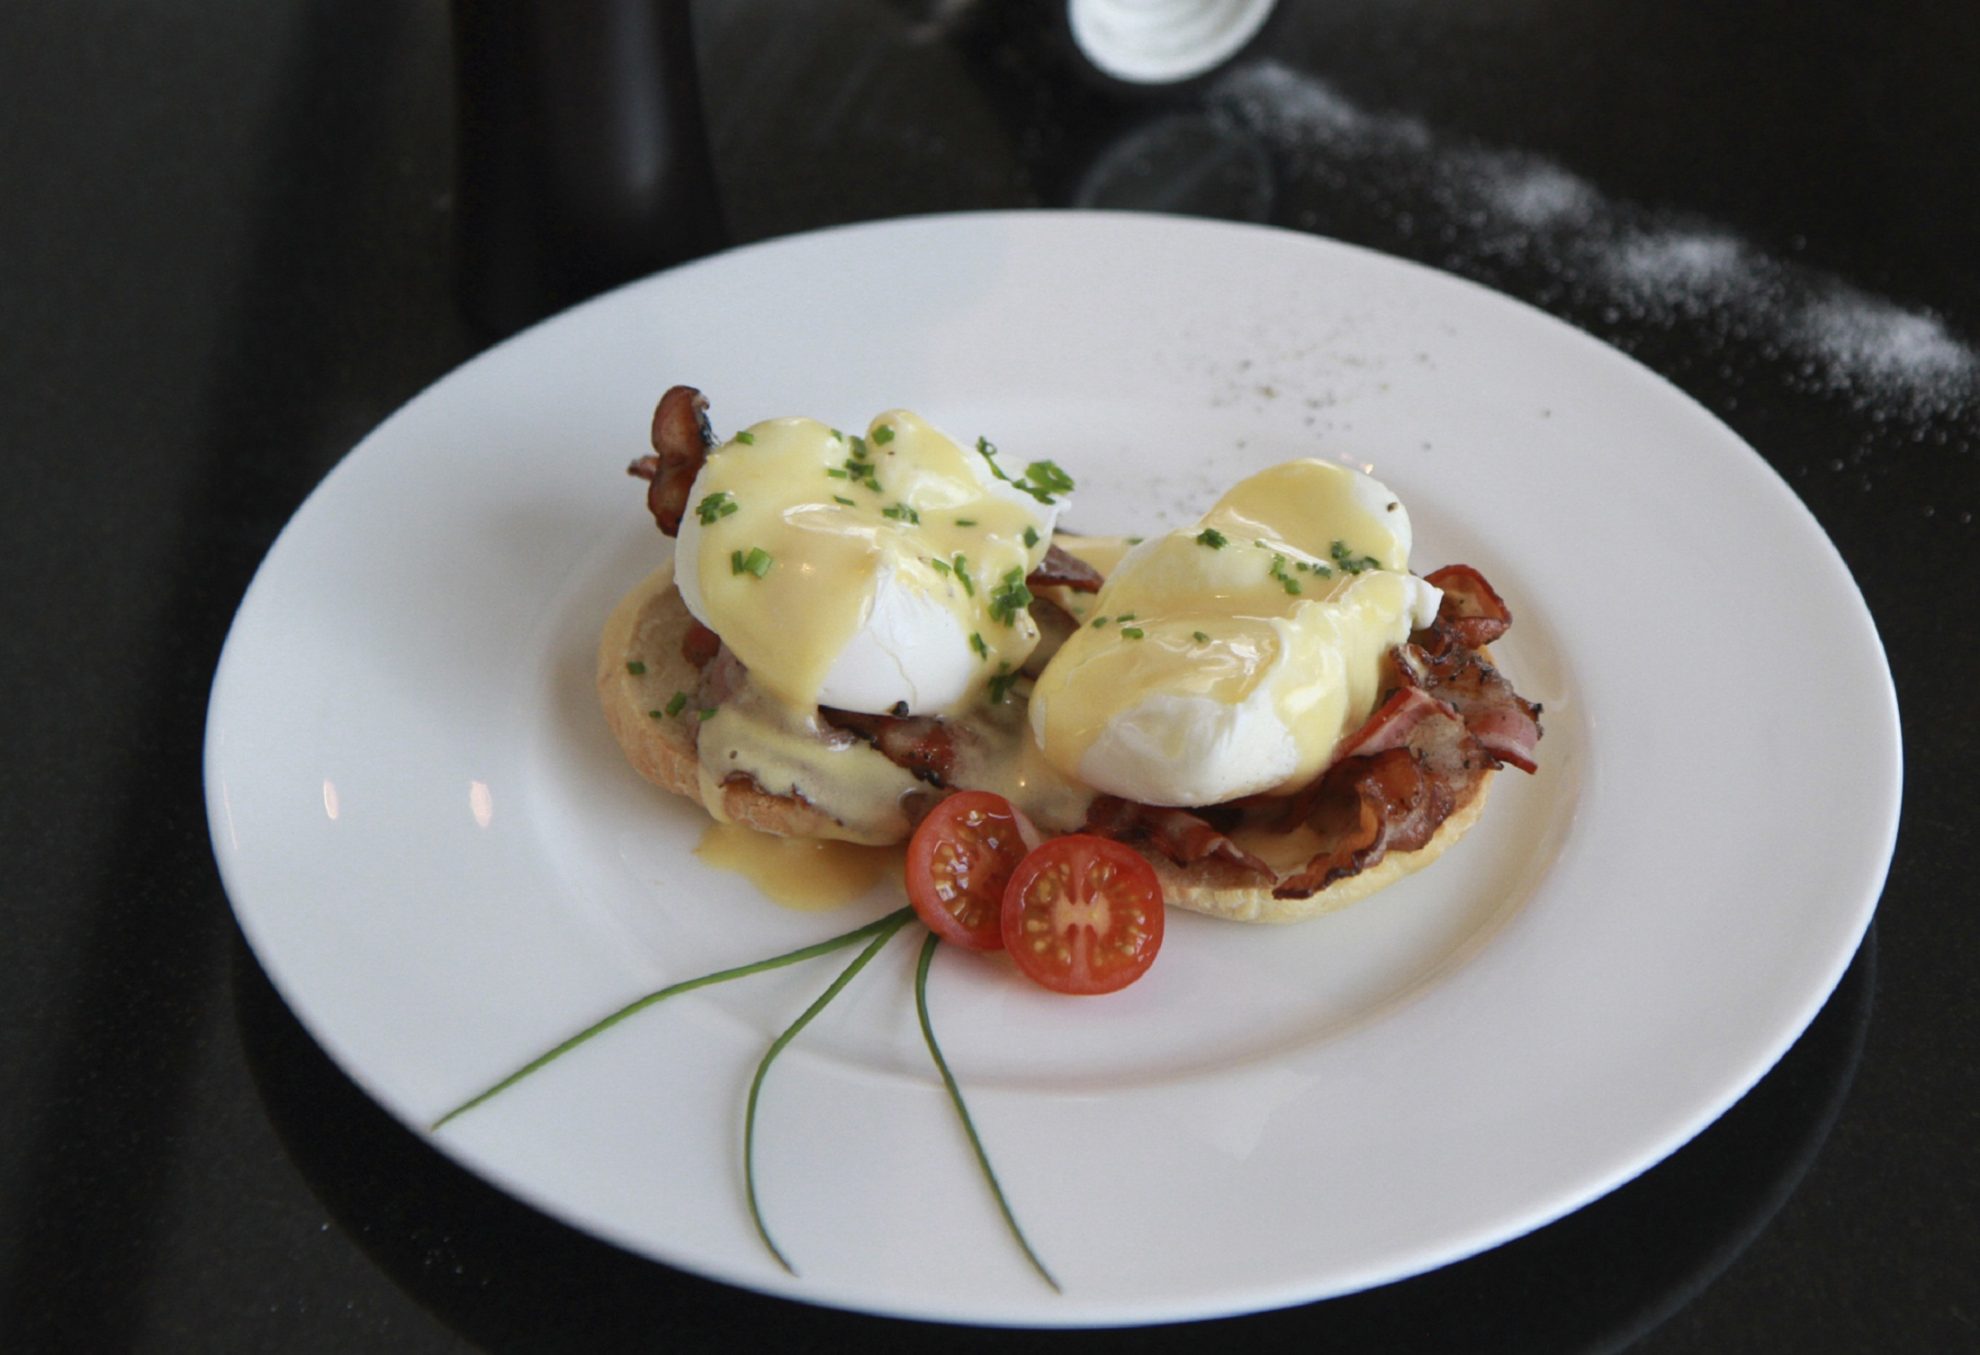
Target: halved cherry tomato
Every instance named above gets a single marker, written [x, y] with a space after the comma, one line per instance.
[1083, 914]
[959, 861]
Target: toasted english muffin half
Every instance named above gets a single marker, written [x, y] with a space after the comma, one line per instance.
[641, 670]
[642, 667]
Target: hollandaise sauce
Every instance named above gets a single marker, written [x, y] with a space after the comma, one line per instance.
[1229, 658]
[809, 874]
[878, 571]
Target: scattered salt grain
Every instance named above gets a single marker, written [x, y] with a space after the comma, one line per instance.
[1866, 334]
[1490, 210]
[1534, 192]
[1679, 260]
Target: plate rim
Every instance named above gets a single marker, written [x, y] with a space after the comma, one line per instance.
[1702, 1115]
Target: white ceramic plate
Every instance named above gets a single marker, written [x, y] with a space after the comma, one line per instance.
[441, 860]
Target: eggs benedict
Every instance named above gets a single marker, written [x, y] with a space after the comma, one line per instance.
[1267, 704]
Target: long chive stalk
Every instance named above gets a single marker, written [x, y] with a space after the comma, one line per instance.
[888, 924]
[883, 932]
[969, 1125]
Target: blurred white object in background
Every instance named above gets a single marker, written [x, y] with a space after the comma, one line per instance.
[1163, 41]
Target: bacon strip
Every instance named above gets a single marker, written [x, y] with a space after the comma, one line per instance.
[1392, 724]
[1056, 625]
[920, 744]
[1369, 807]
[681, 439]
[1176, 833]
[1509, 734]
[722, 676]
[1504, 722]
[699, 645]
[1472, 609]
[1389, 725]
[1065, 569]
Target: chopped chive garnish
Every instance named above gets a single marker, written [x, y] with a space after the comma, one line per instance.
[677, 703]
[884, 434]
[1000, 684]
[962, 573]
[757, 562]
[1352, 563]
[717, 505]
[900, 512]
[976, 643]
[1099, 621]
[747, 439]
[940, 566]
[988, 451]
[840, 498]
[707, 712]
[1125, 616]
[1132, 632]
[1286, 581]
[1047, 475]
[837, 436]
[1212, 538]
[859, 446]
[962, 1111]
[965, 522]
[1030, 536]
[653, 715]
[1010, 598]
[835, 472]
[635, 667]
[1201, 638]
[1043, 480]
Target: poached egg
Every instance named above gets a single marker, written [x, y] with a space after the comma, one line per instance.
[880, 572]
[1229, 658]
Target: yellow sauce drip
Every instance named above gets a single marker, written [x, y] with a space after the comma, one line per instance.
[808, 874]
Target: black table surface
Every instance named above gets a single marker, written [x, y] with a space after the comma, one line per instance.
[229, 247]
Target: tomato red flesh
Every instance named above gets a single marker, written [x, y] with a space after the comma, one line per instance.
[1083, 914]
[958, 863]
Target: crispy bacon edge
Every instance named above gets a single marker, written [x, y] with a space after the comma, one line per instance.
[1471, 608]
[681, 439]
[921, 744]
[1178, 834]
[1063, 568]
